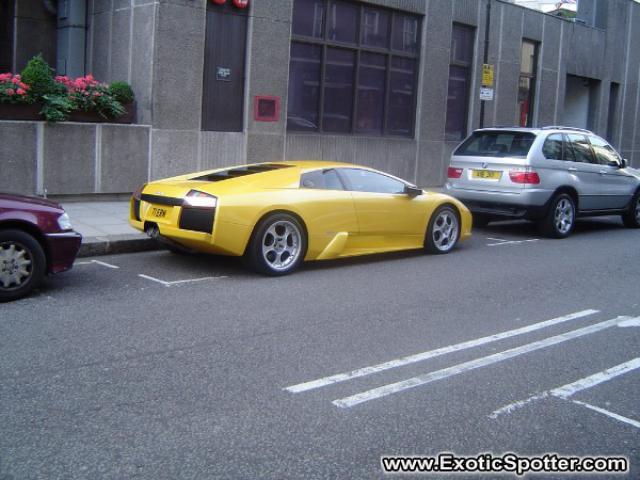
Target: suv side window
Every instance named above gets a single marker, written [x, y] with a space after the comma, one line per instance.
[605, 153]
[321, 180]
[368, 181]
[581, 148]
[552, 148]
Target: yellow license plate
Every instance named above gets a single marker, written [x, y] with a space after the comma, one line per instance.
[157, 212]
[487, 174]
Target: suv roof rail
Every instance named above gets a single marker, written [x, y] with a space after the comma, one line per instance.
[560, 127]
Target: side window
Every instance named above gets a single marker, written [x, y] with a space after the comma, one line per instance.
[552, 148]
[581, 148]
[321, 180]
[605, 153]
[367, 181]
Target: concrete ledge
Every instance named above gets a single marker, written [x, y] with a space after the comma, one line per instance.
[113, 244]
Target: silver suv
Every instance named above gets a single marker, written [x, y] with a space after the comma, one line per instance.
[550, 175]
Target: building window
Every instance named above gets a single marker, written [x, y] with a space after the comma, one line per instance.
[353, 69]
[460, 67]
[527, 83]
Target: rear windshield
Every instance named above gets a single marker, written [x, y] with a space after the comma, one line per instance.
[497, 144]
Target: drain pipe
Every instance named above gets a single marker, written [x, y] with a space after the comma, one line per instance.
[487, 28]
[72, 33]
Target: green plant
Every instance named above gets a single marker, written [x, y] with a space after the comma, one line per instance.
[122, 92]
[57, 107]
[39, 76]
[87, 94]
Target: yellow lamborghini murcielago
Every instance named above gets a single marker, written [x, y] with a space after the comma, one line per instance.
[278, 214]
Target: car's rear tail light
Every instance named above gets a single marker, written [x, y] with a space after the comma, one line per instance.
[195, 198]
[453, 172]
[520, 176]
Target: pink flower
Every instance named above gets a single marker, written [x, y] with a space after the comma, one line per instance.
[24, 86]
[15, 80]
[22, 91]
[10, 91]
[89, 78]
[4, 76]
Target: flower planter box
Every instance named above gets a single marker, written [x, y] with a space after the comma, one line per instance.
[129, 116]
[20, 111]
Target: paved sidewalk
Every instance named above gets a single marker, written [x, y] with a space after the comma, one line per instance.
[105, 228]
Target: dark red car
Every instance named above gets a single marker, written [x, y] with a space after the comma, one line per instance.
[36, 238]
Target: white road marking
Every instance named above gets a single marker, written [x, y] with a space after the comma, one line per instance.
[512, 242]
[97, 262]
[565, 391]
[418, 357]
[104, 264]
[627, 420]
[634, 322]
[178, 282]
[420, 380]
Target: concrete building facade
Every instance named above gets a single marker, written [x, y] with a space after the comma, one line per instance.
[547, 71]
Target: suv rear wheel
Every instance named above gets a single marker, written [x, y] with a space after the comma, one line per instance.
[561, 217]
[631, 218]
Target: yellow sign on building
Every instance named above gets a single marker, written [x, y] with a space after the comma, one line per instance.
[487, 75]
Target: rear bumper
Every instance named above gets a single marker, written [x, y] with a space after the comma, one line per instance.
[529, 203]
[63, 248]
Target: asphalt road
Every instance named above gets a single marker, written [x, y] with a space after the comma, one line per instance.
[157, 366]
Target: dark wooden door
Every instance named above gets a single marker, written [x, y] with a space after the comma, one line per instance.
[224, 68]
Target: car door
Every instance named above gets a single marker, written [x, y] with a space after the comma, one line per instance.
[382, 207]
[582, 164]
[615, 185]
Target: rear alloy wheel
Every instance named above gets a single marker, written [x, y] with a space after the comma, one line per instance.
[443, 231]
[561, 217]
[278, 245]
[631, 219]
[22, 264]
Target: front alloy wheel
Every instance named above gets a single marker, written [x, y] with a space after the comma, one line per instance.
[443, 231]
[22, 264]
[631, 218]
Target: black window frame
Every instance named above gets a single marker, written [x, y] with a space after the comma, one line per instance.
[389, 52]
[533, 77]
[469, 67]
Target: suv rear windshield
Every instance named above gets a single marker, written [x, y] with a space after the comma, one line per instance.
[497, 144]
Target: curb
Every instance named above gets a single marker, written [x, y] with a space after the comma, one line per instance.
[113, 244]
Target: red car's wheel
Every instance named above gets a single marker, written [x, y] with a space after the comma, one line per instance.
[22, 264]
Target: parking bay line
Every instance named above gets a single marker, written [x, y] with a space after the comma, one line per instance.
[615, 416]
[97, 262]
[419, 357]
[420, 380]
[566, 391]
[178, 282]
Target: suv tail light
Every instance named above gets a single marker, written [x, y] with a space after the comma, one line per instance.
[519, 176]
[453, 172]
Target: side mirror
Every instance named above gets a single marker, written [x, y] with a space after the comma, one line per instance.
[412, 191]
[624, 163]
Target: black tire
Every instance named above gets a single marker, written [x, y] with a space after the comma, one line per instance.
[17, 247]
[631, 218]
[481, 220]
[560, 218]
[443, 231]
[286, 235]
